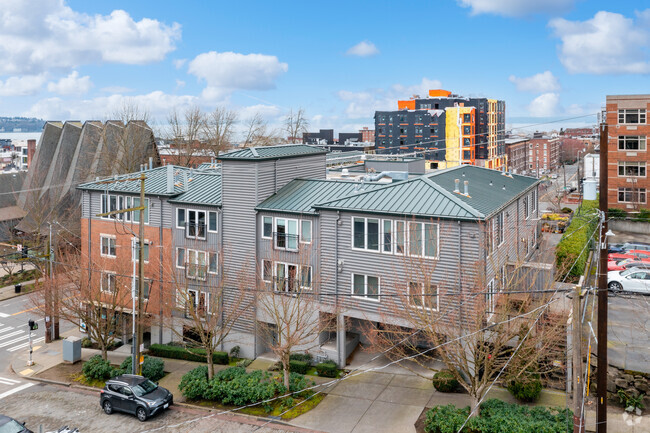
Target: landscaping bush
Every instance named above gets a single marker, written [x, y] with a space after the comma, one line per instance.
[194, 354]
[86, 343]
[97, 369]
[572, 246]
[444, 381]
[244, 363]
[152, 368]
[304, 357]
[194, 383]
[498, 416]
[566, 210]
[616, 213]
[299, 367]
[526, 388]
[327, 369]
[234, 352]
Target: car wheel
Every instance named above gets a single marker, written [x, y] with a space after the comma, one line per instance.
[108, 407]
[615, 286]
[141, 414]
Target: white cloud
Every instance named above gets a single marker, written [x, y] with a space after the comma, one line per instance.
[180, 83]
[608, 43]
[363, 49]
[21, 86]
[545, 105]
[226, 72]
[179, 63]
[538, 83]
[517, 8]
[43, 34]
[365, 103]
[71, 85]
[268, 112]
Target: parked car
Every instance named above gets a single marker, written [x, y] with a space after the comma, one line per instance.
[136, 395]
[615, 248]
[10, 425]
[640, 254]
[619, 256]
[554, 176]
[622, 265]
[643, 246]
[629, 280]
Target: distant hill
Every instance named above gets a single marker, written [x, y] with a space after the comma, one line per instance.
[21, 124]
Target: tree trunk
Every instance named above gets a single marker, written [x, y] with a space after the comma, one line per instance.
[208, 353]
[285, 368]
[474, 407]
[104, 351]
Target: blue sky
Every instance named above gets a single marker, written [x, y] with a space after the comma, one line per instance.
[548, 59]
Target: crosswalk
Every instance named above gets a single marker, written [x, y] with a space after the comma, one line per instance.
[15, 386]
[13, 339]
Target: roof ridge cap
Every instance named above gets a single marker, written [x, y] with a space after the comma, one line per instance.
[358, 193]
[452, 197]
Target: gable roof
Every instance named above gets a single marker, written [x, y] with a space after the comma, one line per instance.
[272, 152]
[203, 189]
[300, 195]
[155, 182]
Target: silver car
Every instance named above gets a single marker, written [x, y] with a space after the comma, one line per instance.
[630, 280]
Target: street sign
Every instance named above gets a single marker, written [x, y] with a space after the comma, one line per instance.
[141, 359]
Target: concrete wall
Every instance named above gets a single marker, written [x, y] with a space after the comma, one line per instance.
[629, 227]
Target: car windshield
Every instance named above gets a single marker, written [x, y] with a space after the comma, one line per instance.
[11, 427]
[627, 272]
[144, 388]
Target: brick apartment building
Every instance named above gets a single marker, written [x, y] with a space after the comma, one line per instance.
[367, 135]
[543, 154]
[627, 154]
[516, 151]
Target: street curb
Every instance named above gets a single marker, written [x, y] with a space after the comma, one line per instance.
[49, 381]
[234, 413]
[87, 388]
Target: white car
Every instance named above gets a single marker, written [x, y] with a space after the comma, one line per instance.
[629, 280]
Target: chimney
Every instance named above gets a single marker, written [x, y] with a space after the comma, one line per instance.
[150, 162]
[170, 179]
[186, 187]
[467, 188]
[456, 188]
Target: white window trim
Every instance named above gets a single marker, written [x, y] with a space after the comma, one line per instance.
[134, 242]
[101, 285]
[633, 190]
[311, 273]
[272, 271]
[382, 233]
[422, 307]
[407, 236]
[262, 228]
[365, 287]
[187, 264]
[286, 272]
[184, 257]
[491, 297]
[639, 110]
[135, 280]
[103, 236]
[311, 231]
[640, 138]
[286, 234]
[365, 234]
[216, 254]
[638, 164]
[502, 230]
[176, 216]
[187, 225]
[208, 221]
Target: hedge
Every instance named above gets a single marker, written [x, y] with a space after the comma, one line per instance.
[526, 388]
[304, 357]
[327, 369]
[97, 368]
[444, 381]
[194, 354]
[498, 416]
[152, 368]
[577, 235]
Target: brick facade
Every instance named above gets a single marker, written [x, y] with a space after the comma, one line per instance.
[543, 155]
[627, 160]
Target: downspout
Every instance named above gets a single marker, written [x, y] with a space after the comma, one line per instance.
[220, 277]
[341, 356]
[518, 238]
[255, 329]
[460, 276]
[160, 241]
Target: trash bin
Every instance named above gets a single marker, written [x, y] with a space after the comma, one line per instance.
[71, 349]
[18, 287]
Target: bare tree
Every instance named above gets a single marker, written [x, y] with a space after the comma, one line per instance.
[199, 292]
[295, 124]
[218, 129]
[257, 132]
[185, 136]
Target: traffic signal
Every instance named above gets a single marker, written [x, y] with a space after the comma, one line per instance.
[25, 251]
[33, 326]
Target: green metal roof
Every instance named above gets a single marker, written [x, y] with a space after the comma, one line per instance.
[432, 195]
[203, 189]
[300, 195]
[272, 152]
[154, 184]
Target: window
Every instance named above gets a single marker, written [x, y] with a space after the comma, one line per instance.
[286, 277]
[286, 234]
[631, 195]
[402, 131]
[467, 118]
[490, 297]
[108, 282]
[180, 258]
[180, 218]
[136, 213]
[467, 130]
[365, 233]
[422, 239]
[199, 301]
[107, 246]
[147, 287]
[632, 142]
[213, 263]
[633, 169]
[195, 224]
[400, 237]
[434, 130]
[305, 231]
[499, 229]
[387, 234]
[365, 286]
[526, 213]
[415, 239]
[196, 265]
[632, 116]
[135, 249]
[305, 277]
[423, 295]
[267, 227]
[267, 270]
[212, 221]
[533, 201]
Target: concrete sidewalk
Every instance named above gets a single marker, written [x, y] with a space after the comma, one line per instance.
[9, 292]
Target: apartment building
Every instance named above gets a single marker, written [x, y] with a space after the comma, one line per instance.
[516, 152]
[627, 155]
[449, 129]
[268, 218]
[543, 154]
[367, 135]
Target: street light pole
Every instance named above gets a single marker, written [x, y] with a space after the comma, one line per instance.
[601, 376]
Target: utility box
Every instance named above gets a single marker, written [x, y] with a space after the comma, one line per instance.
[71, 350]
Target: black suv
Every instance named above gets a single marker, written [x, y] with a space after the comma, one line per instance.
[135, 395]
[10, 425]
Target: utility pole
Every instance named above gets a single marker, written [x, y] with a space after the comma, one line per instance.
[601, 377]
[564, 175]
[137, 334]
[576, 348]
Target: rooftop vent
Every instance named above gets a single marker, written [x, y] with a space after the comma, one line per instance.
[456, 186]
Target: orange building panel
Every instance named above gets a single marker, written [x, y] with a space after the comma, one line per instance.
[406, 105]
[439, 92]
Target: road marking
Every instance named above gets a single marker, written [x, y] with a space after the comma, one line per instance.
[15, 390]
[20, 346]
[26, 371]
[7, 343]
[11, 334]
[4, 315]
[8, 328]
[10, 380]
[25, 311]
[6, 381]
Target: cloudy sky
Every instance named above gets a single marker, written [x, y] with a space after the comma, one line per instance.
[341, 61]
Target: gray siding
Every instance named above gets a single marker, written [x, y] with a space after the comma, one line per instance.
[155, 209]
